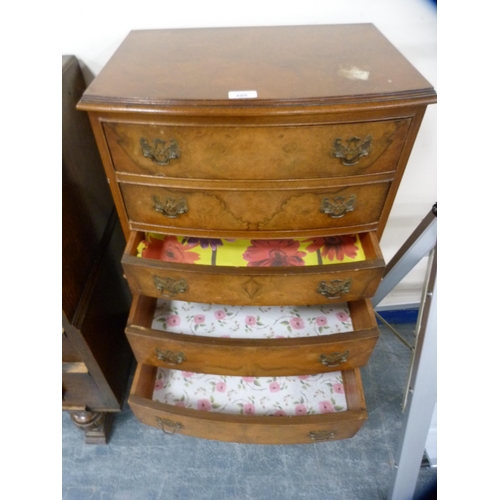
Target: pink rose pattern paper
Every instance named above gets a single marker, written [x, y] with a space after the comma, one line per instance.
[215, 320]
[264, 396]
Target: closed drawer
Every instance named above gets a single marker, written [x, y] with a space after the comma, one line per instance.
[339, 421]
[280, 211]
[320, 284]
[256, 152]
[227, 340]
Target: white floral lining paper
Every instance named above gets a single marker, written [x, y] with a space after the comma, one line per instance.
[264, 396]
[247, 322]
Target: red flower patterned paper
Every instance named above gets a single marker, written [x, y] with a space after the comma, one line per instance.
[335, 247]
[170, 250]
[274, 253]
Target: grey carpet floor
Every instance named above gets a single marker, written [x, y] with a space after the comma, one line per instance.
[140, 462]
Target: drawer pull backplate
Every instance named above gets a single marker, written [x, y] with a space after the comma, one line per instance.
[322, 435]
[171, 208]
[335, 289]
[170, 286]
[158, 152]
[173, 426]
[171, 357]
[338, 207]
[355, 149]
[334, 359]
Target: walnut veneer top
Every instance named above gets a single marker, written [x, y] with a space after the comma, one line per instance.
[313, 65]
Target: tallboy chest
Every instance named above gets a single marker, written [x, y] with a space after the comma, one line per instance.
[287, 139]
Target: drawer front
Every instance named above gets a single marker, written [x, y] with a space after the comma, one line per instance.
[248, 428]
[235, 212]
[255, 286]
[257, 152]
[240, 288]
[254, 357]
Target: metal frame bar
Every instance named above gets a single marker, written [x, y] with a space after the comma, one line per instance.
[421, 394]
[417, 246]
[422, 397]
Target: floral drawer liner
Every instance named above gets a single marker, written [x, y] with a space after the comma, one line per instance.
[250, 322]
[252, 253]
[265, 396]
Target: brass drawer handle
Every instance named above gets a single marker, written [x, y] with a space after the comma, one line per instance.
[171, 208]
[158, 152]
[171, 357]
[165, 422]
[338, 207]
[170, 287]
[334, 359]
[335, 289]
[322, 435]
[355, 149]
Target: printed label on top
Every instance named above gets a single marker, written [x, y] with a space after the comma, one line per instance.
[242, 94]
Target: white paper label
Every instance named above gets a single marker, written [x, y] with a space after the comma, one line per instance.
[242, 94]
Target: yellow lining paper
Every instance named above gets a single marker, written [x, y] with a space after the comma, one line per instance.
[231, 253]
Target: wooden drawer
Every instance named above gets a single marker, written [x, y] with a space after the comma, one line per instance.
[256, 152]
[248, 428]
[250, 211]
[255, 285]
[252, 357]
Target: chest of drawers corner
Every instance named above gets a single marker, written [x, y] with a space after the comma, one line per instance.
[317, 153]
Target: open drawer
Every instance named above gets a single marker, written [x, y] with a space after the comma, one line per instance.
[251, 340]
[337, 411]
[270, 284]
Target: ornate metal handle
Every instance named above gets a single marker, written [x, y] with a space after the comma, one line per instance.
[322, 435]
[171, 357]
[171, 208]
[175, 426]
[158, 152]
[335, 289]
[353, 151]
[334, 359]
[338, 207]
[170, 287]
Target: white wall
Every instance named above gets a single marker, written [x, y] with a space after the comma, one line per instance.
[98, 27]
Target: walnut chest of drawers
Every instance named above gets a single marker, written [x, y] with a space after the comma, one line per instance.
[260, 134]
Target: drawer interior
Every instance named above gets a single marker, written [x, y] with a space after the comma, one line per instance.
[335, 392]
[300, 252]
[252, 253]
[250, 322]
[263, 396]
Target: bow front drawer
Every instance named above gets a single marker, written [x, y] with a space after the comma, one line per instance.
[251, 341]
[231, 210]
[159, 399]
[290, 284]
[256, 152]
